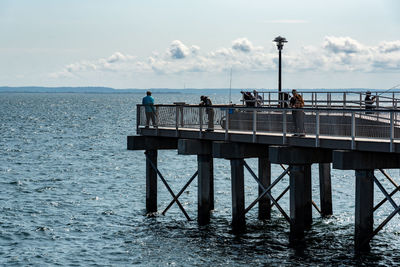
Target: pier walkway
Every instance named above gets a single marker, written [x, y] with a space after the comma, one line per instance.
[339, 132]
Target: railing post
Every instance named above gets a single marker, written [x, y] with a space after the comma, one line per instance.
[377, 101]
[176, 119]
[269, 99]
[254, 125]
[201, 121]
[312, 99]
[330, 99]
[284, 126]
[157, 120]
[227, 124]
[353, 130]
[391, 131]
[361, 101]
[137, 118]
[344, 100]
[317, 128]
[327, 99]
[393, 100]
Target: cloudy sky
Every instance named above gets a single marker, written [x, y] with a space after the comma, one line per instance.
[195, 44]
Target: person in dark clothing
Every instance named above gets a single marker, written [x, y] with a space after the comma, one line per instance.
[297, 102]
[259, 101]
[249, 99]
[369, 102]
[206, 102]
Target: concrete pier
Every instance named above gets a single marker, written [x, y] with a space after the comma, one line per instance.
[236, 153]
[205, 192]
[151, 145]
[364, 211]
[264, 174]
[364, 164]
[237, 181]
[362, 156]
[325, 189]
[299, 161]
[151, 181]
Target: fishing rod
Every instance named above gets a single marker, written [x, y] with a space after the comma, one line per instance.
[230, 88]
[394, 87]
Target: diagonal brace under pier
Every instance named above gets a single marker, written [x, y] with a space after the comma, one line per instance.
[168, 188]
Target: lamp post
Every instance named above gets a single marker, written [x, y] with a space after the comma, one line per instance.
[279, 43]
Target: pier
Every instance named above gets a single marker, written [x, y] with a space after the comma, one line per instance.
[339, 133]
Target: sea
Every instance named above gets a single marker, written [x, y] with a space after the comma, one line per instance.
[71, 194]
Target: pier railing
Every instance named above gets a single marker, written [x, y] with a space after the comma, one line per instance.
[318, 122]
[327, 99]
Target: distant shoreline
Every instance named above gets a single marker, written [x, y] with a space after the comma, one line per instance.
[109, 90]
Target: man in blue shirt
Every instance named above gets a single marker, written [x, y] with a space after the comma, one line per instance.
[148, 103]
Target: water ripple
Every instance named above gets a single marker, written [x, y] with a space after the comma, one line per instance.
[71, 194]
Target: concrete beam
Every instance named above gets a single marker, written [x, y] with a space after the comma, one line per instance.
[139, 142]
[239, 150]
[299, 155]
[194, 147]
[357, 160]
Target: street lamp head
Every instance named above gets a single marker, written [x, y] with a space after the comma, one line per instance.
[280, 41]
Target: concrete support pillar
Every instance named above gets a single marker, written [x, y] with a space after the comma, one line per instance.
[204, 186]
[211, 164]
[298, 201]
[264, 174]
[237, 173]
[364, 164]
[299, 160]
[325, 189]
[307, 196]
[151, 181]
[205, 167]
[151, 145]
[364, 212]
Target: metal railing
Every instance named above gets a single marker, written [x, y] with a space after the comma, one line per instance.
[331, 99]
[318, 122]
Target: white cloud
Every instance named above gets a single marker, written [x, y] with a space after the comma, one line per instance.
[389, 47]
[242, 44]
[342, 45]
[334, 54]
[178, 50]
[117, 56]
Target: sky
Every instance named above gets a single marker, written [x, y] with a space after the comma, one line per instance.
[197, 44]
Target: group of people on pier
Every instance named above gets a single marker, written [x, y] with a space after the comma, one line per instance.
[296, 102]
[252, 99]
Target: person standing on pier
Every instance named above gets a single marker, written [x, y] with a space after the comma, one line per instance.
[148, 103]
[206, 102]
[249, 99]
[258, 98]
[369, 102]
[297, 102]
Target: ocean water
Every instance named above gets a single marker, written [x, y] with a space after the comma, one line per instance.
[72, 195]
